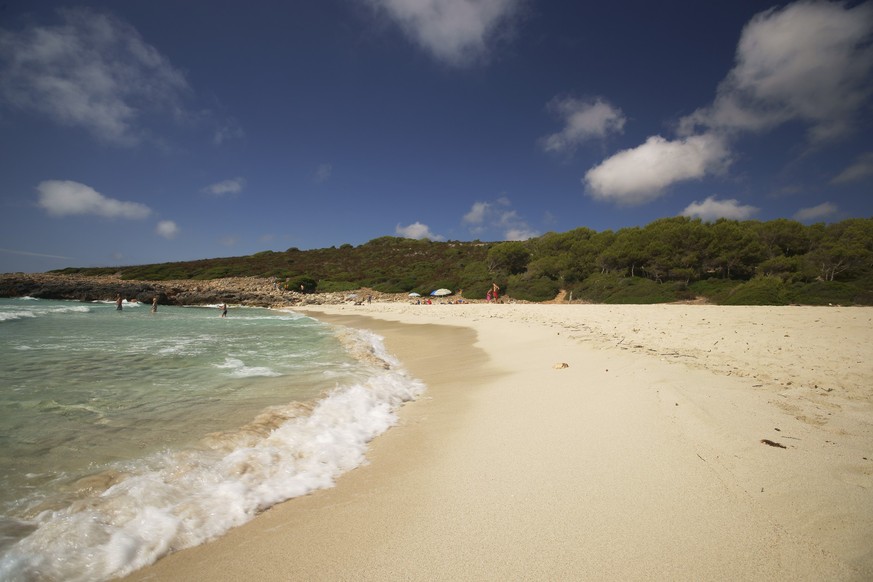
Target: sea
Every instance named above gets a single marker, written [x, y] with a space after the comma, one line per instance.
[126, 434]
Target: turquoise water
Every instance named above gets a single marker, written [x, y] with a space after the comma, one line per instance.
[128, 434]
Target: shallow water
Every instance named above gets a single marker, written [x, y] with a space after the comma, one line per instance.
[128, 434]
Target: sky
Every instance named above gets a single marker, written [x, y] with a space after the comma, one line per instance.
[149, 131]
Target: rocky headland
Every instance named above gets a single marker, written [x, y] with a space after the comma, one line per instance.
[249, 291]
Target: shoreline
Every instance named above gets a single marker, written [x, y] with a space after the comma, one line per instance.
[634, 462]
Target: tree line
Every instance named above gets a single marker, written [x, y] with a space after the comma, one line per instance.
[727, 261]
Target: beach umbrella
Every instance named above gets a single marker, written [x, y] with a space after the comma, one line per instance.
[414, 294]
[441, 292]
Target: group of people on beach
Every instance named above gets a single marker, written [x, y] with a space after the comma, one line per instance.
[493, 293]
[119, 301]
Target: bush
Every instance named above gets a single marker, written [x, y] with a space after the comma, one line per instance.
[715, 290]
[613, 288]
[641, 290]
[390, 287]
[824, 293]
[302, 284]
[327, 286]
[759, 291]
[538, 289]
[476, 290]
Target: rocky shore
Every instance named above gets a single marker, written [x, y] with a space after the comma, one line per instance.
[250, 291]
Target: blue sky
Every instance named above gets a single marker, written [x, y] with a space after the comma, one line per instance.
[150, 131]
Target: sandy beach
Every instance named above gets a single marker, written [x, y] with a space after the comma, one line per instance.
[592, 442]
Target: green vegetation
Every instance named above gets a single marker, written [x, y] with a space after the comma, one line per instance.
[727, 262]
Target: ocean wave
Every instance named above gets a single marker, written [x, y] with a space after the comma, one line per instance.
[36, 311]
[124, 302]
[239, 370]
[169, 501]
[17, 314]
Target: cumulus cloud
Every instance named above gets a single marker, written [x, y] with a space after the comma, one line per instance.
[641, 174]
[810, 61]
[167, 229]
[417, 230]
[816, 212]
[712, 209]
[454, 32]
[68, 198]
[477, 213]
[497, 217]
[519, 234]
[92, 71]
[861, 169]
[226, 187]
[583, 120]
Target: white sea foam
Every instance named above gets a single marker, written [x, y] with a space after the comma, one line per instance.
[70, 309]
[239, 370]
[36, 311]
[17, 314]
[179, 499]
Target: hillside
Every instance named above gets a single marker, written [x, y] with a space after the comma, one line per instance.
[672, 259]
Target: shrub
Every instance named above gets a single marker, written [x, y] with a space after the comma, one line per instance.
[824, 293]
[328, 286]
[302, 284]
[715, 290]
[536, 289]
[614, 288]
[758, 291]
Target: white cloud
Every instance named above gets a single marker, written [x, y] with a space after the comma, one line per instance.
[229, 240]
[583, 120]
[810, 61]
[66, 198]
[417, 230]
[477, 213]
[861, 169]
[455, 32]
[497, 217]
[712, 209]
[226, 187]
[322, 173]
[641, 174]
[519, 234]
[167, 229]
[815, 212]
[92, 71]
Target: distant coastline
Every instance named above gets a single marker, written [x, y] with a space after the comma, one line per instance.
[248, 291]
[245, 291]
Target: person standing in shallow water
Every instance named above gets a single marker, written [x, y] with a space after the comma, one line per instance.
[224, 310]
[118, 302]
[155, 304]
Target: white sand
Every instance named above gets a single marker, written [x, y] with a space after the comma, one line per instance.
[641, 460]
